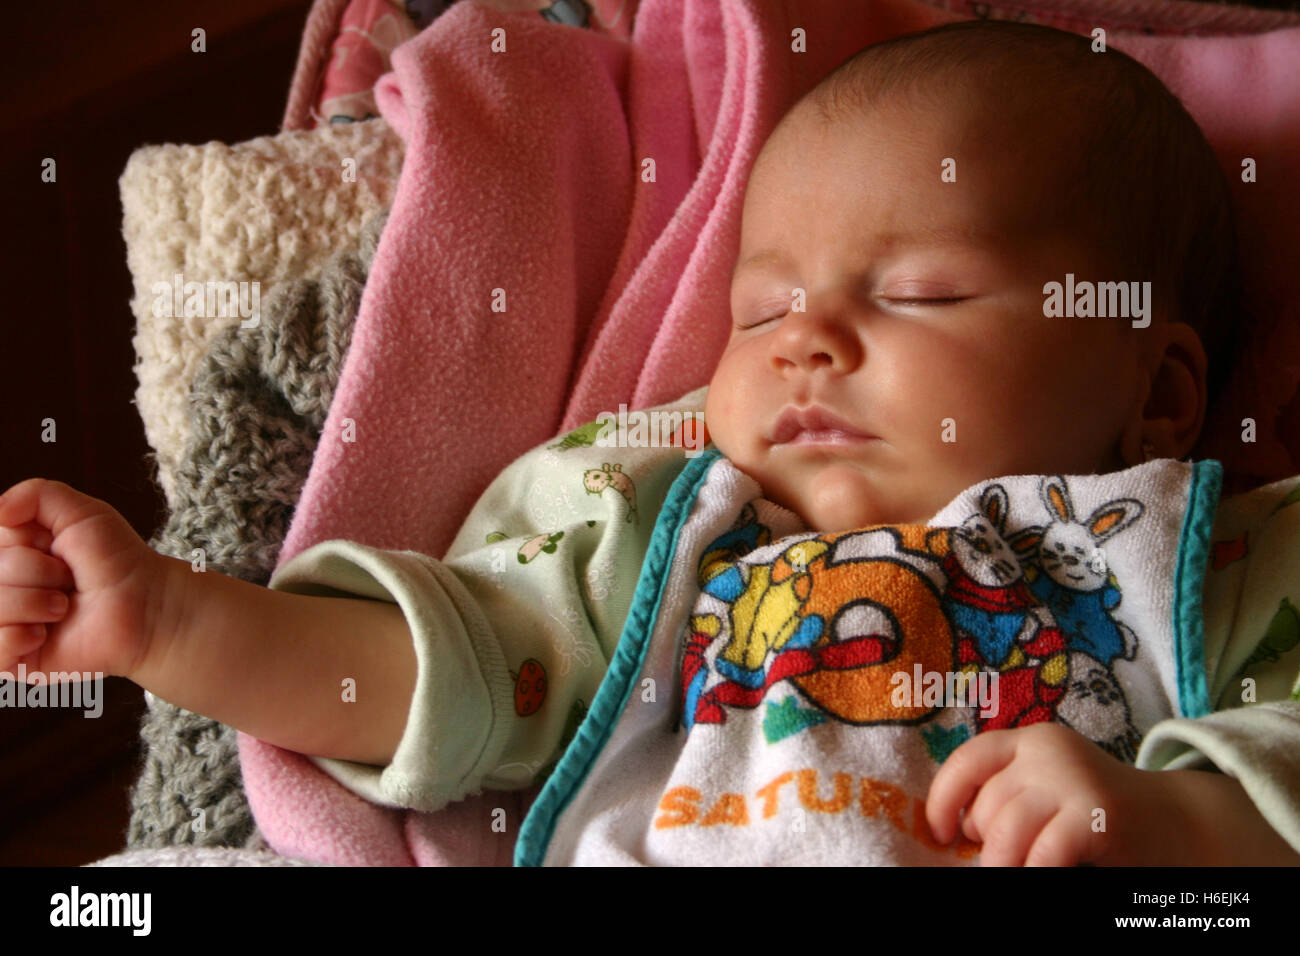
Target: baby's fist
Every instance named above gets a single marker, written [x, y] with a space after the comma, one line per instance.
[56, 541]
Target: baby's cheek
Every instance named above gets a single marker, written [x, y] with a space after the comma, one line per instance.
[719, 418]
[964, 416]
[982, 440]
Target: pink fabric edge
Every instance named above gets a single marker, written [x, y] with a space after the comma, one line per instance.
[325, 16]
[317, 41]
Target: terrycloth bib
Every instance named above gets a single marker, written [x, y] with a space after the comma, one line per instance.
[781, 696]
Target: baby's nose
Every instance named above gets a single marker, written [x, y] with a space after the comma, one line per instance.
[811, 342]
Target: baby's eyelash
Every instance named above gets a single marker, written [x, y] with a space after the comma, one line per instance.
[758, 322]
[951, 300]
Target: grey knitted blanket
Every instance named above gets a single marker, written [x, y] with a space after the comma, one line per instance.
[257, 407]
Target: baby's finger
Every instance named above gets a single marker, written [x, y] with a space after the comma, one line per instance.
[1010, 834]
[1065, 841]
[54, 504]
[12, 502]
[17, 641]
[997, 792]
[31, 535]
[22, 567]
[31, 605]
[961, 776]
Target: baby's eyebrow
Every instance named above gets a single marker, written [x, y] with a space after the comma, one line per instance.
[922, 236]
[761, 258]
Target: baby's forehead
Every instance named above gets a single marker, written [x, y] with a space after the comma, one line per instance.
[1015, 179]
[1051, 124]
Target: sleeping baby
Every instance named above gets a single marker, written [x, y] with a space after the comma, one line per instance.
[927, 583]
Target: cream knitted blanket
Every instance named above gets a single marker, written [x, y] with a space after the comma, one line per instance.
[233, 414]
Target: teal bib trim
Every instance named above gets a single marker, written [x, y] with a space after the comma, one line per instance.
[1189, 581]
[612, 696]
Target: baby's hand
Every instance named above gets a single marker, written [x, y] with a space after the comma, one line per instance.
[1039, 792]
[57, 543]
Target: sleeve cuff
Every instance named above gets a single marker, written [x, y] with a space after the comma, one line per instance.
[457, 725]
[1258, 745]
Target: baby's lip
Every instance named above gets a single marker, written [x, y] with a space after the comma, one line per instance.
[794, 420]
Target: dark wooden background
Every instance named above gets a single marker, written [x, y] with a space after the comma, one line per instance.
[87, 83]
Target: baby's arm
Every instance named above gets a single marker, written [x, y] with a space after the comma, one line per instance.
[267, 663]
[1227, 828]
[272, 664]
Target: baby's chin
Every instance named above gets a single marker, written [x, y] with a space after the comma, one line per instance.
[843, 497]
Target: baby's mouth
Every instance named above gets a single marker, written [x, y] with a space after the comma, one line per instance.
[816, 426]
[828, 436]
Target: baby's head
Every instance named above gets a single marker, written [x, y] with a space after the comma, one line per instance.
[899, 228]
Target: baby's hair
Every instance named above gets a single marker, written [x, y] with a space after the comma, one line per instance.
[1144, 182]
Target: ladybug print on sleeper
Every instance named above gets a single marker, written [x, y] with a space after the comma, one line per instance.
[530, 687]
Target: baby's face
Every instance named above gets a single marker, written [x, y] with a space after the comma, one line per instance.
[922, 324]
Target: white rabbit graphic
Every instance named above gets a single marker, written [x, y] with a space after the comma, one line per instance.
[1077, 584]
[981, 554]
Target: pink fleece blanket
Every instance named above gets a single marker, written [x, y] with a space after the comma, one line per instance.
[527, 184]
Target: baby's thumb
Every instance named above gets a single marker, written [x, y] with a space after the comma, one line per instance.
[50, 503]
